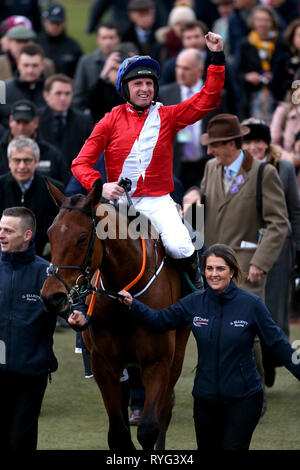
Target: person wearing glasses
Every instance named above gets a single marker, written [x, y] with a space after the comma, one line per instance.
[137, 140]
[23, 185]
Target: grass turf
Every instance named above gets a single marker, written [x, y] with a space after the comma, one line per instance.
[73, 415]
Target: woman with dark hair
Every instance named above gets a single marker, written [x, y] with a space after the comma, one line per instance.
[224, 319]
[258, 56]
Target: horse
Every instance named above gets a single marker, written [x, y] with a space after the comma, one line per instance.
[81, 249]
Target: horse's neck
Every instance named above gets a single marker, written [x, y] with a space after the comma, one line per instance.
[124, 245]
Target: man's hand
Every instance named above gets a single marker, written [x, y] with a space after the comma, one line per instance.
[112, 61]
[214, 42]
[112, 191]
[255, 274]
[190, 198]
[77, 318]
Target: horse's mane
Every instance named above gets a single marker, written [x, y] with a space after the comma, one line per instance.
[79, 200]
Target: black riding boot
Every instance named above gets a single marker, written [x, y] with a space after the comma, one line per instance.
[191, 266]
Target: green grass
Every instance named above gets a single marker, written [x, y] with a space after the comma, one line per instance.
[73, 416]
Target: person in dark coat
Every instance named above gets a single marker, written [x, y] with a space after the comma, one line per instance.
[28, 82]
[24, 121]
[26, 330]
[58, 46]
[257, 60]
[90, 65]
[258, 143]
[64, 126]
[102, 96]
[118, 9]
[142, 28]
[24, 186]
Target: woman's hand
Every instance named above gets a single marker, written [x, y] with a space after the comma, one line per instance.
[253, 77]
[214, 42]
[77, 318]
[127, 298]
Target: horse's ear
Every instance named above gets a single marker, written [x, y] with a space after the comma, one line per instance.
[56, 194]
[95, 193]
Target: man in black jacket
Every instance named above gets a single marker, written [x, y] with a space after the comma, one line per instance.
[26, 331]
[64, 126]
[24, 186]
[58, 46]
[24, 121]
[28, 82]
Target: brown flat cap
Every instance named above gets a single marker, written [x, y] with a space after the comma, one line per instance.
[140, 5]
[223, 127]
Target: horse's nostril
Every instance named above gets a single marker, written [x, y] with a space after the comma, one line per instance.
[55, 302]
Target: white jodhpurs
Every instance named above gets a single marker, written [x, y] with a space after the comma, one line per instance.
[163, 213]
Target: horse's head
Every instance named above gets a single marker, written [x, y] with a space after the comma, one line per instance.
[74, 253]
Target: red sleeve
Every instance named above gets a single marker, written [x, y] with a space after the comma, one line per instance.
[82, 165]
[209, 98]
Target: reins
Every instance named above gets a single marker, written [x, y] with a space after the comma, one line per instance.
[96, 288]
[86, 288]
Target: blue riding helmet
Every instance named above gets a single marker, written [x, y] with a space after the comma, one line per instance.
[137, 66]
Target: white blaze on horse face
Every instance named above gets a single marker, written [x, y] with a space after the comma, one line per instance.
[64, 228]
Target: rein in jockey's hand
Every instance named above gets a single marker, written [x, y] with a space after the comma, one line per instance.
[127, 298]
[112, 191]
[214, 42]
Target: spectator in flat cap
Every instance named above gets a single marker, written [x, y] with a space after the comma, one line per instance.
[118, 11]
[61, 48]
[23, 120]
[15, 38]
[142, 27]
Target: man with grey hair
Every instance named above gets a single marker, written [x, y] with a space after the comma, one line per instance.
[189, 155]
[24, 186]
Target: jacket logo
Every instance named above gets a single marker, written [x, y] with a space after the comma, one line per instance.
[31, 297]
[239, 323]
[199, 321]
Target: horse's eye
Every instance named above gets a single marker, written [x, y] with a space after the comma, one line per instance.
[83, 238]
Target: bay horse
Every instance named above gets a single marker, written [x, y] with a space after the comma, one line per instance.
[116, 340]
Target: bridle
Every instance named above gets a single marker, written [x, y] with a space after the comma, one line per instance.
[76, 292]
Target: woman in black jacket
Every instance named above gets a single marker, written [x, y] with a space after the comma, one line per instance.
[224, 319]
[258, 57]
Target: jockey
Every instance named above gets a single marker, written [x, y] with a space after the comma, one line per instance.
[137, 140]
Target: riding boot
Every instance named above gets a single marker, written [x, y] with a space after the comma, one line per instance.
[192, 268]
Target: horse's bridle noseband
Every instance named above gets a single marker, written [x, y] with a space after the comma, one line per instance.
[76, 292]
